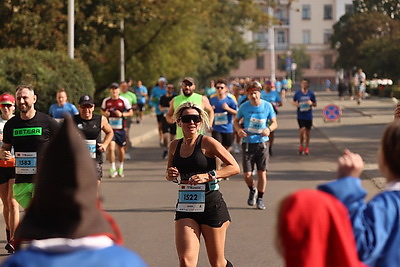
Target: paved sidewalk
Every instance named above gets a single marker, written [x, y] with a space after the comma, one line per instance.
[359, 129]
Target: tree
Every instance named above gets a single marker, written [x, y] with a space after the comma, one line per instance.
[47, 72]
[363, 39]
[391, 8]
[173, 38]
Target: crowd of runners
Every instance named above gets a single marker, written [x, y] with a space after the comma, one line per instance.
[199, 131]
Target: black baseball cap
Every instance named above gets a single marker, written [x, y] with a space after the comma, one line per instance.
[85, 100]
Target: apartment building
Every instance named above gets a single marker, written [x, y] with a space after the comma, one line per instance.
[299, 23]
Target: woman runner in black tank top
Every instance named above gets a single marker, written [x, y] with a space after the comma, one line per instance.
[192, 162]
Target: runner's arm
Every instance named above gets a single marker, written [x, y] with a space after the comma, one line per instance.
[170, 114]
[109, 134]
[209, 109]
[5, 151]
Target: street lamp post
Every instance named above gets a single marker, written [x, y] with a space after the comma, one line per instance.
[271, 33]
[122, 50]
[71, 5]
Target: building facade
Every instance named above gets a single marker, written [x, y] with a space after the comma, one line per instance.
[301, 25]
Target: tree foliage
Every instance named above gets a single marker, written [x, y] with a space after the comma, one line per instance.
[173, 38]
[47, 72]
[369, 39]
[391, 8]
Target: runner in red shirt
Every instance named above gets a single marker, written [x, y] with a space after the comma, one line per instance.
[116, 108]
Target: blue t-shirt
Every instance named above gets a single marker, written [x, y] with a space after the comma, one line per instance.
[223, 120]
[278, 86]
[156, 94]
[113, 256]
[284, 84]
[256, 119]
[242, 99]
[304, 111]
[58, 112]
[140, 98]
[272, 97]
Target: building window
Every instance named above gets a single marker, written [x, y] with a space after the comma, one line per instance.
[282, 15]
[306, 12]
[328, 61]
[328, 12]
[306, 37]
[261, 39]
[305, 63]
[281, 37]
[260, 62]
[348, 8]
[327, 36]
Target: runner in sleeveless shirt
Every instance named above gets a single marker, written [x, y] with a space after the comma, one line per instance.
[188, 95]
[91, 125]
[7, 175]
[192, 163]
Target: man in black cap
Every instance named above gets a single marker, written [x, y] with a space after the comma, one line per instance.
[91, 125]
[188, 95]
[64, 224]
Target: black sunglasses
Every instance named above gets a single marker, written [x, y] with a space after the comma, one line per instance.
[187, 83]
[189, 118]
[220, 87]
[7, 105]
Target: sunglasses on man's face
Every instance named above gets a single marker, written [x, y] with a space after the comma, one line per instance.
[220, 87]
[190, 118]
[187, 84]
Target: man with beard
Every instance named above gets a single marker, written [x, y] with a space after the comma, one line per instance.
[28, 133]
[188, 95]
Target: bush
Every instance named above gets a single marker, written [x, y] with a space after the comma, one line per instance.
[47, 71]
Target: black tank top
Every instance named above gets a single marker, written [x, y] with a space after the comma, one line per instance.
[91, 130]
[196, 163]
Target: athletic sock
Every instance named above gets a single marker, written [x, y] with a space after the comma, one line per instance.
[113, 165]
[260, 194]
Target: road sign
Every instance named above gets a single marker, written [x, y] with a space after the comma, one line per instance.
[332, 112]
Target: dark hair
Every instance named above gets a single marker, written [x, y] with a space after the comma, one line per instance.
[390, 147]
[223, 81]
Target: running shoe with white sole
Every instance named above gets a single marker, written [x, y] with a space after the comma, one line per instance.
[113, 173]
[121, 172]
[260, 204]
[252, 197]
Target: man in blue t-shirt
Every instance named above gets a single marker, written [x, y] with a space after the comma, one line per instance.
[141, 94]
[63, 107]
[273, 97]
[304, 99]
[225, 108]
[257, 114]
[156, 93]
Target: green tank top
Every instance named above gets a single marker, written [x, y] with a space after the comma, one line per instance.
[179, 100]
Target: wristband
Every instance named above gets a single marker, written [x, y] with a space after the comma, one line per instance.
[212, 175]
